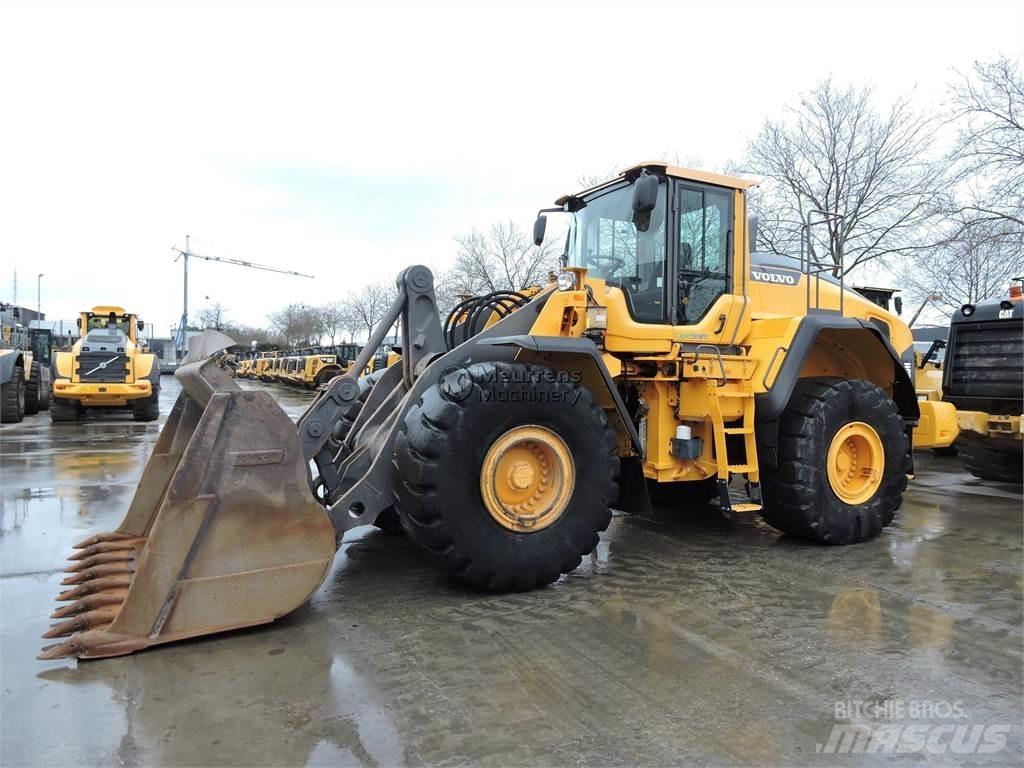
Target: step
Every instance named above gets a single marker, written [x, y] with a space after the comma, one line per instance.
[745, 506]
[738, 430]
[741, 469]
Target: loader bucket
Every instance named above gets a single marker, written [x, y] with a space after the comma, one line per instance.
[222, 533]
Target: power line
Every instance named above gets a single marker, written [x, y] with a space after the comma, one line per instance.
[188, 253]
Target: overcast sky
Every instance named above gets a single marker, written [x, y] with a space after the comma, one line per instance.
[350, 141]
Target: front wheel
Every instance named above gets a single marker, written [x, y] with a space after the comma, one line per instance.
[37, 394]
[842, 462]
[507, 473]
[147, 409]
[12, 397]
[993, 459]
[62, 410]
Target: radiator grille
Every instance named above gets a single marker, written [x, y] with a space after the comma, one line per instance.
[986, 360]
[101, 366]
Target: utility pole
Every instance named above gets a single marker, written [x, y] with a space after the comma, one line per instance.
[185, 255]
[179, 339]
[39, 301]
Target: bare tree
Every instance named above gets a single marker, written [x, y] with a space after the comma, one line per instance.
[214, 316]
[366, 307]
[332, 319]
[504, 259]
[989, 152]
[836, 153]
[979, 263]
[297, 323]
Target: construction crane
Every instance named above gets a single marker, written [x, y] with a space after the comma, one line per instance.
[185, 255]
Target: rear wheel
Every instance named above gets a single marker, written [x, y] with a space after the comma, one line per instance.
[12, 397]
[147, 409]
[842, 462]
[506, 472]
[991, 458]
[62, 410]
[37, 394]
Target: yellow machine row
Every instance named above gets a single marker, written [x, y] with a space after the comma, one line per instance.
[667, 359]
[311, 369]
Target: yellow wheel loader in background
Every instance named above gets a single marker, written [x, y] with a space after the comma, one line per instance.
[983, 376]
[664, 358]
[106, 369]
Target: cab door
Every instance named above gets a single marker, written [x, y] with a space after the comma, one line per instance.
[703, 308]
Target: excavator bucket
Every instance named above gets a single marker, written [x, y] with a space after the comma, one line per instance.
[223, 531]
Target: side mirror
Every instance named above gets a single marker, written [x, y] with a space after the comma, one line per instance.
[142, 325]
[898, 304]
[645, 194]
[539, 227]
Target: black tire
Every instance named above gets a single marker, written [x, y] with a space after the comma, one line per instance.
[693, 493]
[37, 393]
[798, 498]
[62, 410]
[147, 409]
[12, 397]
[439, 453]
[992, 459]
[324, 375]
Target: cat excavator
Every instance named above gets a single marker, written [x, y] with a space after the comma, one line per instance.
[664, 359]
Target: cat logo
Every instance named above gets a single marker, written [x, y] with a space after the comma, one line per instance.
[773, 275]
[1005, 314]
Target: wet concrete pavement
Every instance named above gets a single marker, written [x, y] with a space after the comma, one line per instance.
[684, 638]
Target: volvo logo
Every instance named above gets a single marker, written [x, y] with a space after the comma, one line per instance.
[769, 275]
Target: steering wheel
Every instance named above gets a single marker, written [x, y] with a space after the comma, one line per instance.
[615, 261]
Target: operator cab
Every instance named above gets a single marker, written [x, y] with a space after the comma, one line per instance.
[662, 234]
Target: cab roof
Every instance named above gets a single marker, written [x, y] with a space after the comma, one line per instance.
[675, 171]
[105, 309]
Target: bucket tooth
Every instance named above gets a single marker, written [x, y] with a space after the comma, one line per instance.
[107, 546]
[93, 644]
[97, 571]
[100, 538]
[101, 617]
[94, 586]
[101, 559]
[91, 602]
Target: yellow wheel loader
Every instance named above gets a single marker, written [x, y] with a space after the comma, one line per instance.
[664, 358]
[315, 370]
[983, 376]
[244, 369]
[106, 368]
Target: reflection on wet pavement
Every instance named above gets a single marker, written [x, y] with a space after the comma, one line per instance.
[683, 638]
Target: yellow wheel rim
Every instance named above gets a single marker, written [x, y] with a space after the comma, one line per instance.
[856, 461]
[527, 478]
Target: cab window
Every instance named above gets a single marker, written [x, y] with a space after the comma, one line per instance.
[705, 227]
[607, 238]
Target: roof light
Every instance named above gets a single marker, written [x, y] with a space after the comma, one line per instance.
[967, 310]
[1015, 292]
